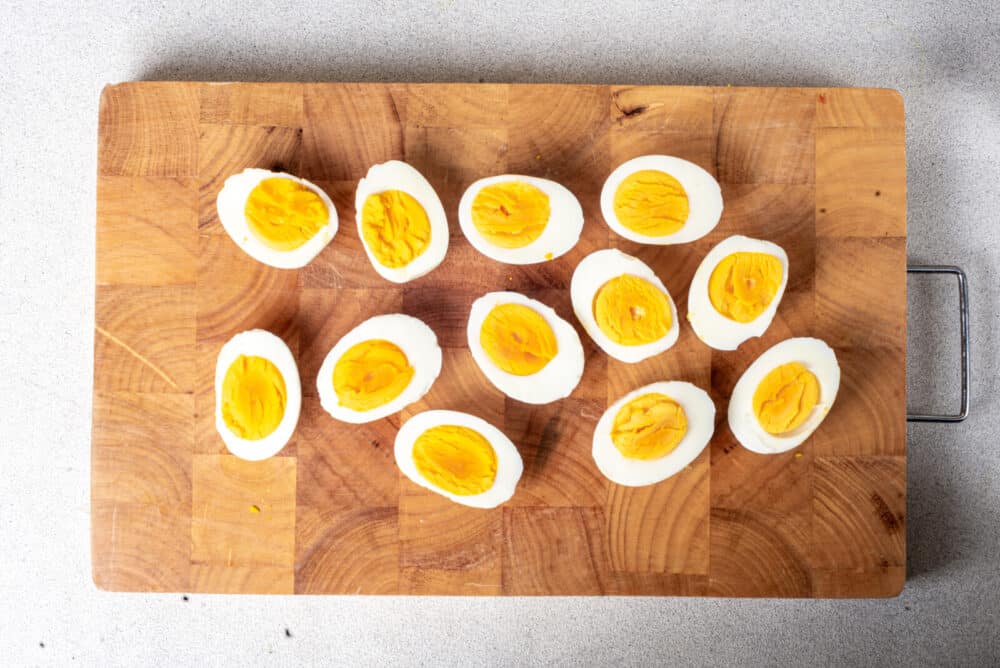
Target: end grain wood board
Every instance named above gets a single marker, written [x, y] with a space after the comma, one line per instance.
[820, 172]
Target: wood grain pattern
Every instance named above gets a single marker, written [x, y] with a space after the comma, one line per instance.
[819, 171]
[243, 520]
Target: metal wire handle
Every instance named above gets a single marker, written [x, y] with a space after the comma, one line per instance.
[963, 310]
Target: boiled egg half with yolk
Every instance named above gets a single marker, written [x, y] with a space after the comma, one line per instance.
[736, 291]
[379, 367]
[660, 199]
[524, 348]
[459, 456]
[257, 394]
[401, 222]
[623, 306]
[520, 219]
[653, 432]
[782, 397]
[278, 219]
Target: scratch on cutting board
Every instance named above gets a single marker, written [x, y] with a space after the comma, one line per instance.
[340, 277]
[114, 532]
[114, 339]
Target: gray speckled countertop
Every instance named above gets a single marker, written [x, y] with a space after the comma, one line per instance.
[944, 59]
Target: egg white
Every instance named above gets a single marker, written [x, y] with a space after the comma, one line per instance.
[700, 412]
[259, 343]
[417, 341]
[593, 272]
[509, 464]
[703, 193]
[560, 234]
[818, 358]
[231, 204]
[555, 380]
[715, 329]
[397, 175]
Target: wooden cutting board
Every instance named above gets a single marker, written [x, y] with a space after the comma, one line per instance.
[819, 171]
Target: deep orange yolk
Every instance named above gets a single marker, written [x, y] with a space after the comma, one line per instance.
[652, 203]
[631, 311]
[517, 339]
[510, 214]
[743, 285]
[371, 374]
[649, 427]
[456, 459]
[395, 228]
[284, 214]
[785, 398]
[253, 397]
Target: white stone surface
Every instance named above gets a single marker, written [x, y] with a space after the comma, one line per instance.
[55, 58]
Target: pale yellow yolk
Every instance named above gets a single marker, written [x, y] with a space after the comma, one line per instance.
[517, 339]
[284, 214]
[632, 311]
[652, 203]
[395, 228]
[456, 459]
[510, 214]
[253, 397]
[371, 374]
[649, 427]
[744, 284]
[785, 398]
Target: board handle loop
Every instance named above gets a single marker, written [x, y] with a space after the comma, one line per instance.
[963, 314]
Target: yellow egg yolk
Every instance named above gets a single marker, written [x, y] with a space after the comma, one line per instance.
[371, 374]
[631, 311]
[510, 214]
[652, 203]
[649, 427]
[253, 397]
[456, 459]
[395, 228]
[785, 398]
[284, 214]
[743, 285]
[517, 339]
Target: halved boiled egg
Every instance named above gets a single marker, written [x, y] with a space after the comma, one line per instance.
[653, 432]
[276, 218]
[520, 219]
[459, 456]
[401, 222]
[379, 367]
[257, 394]
[736, 291]
[623, 306]
[782, 397]
[524, 348]
[660, 199]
